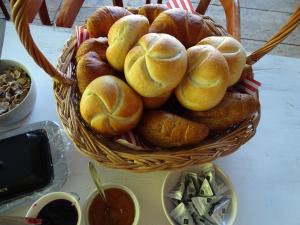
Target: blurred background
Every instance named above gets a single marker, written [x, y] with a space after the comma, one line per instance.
[259, 20]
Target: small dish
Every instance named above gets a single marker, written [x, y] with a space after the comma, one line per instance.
[172, 179]
[94, 193]
[9, 119]
[42, 202]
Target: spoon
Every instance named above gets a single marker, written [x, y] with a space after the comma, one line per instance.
[97, 180]
[16, 220]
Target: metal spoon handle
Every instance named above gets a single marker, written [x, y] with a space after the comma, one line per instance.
[97, 180]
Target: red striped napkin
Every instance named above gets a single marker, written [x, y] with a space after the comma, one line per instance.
[81, 34]
[248, 85]
[182, 4]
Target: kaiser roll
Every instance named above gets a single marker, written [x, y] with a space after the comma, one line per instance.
[98, 45]
[110, 106]
[122, 36]
[233, 52]
[151, 11]
[99, 23]
[89, 67]
[187, 27]
[155, 65]
[206, 79]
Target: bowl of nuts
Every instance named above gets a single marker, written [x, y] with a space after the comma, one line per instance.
[17, 93]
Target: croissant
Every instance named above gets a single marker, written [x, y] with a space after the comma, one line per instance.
[234, 108]
[99, 23]
[151, 11]
[98, 45]
[187, 27]
[89, 67]
[168, 130]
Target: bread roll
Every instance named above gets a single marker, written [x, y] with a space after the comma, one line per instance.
[206, 79]
[151, 11]
[99, 23]
[110, 106]
[233, 52]
[89, 67]
[187, 27]
[155, 65]
[156, 102]
[98, 45]
[234, 108]
[168, 130]
[122, 36]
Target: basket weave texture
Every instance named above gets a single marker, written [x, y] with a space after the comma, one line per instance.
[112, 154]
[118, 156]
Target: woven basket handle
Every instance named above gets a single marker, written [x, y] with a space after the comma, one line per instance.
[20, 18]
[232, 13]
[284, 31]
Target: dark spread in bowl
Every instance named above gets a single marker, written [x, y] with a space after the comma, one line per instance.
[59, 212]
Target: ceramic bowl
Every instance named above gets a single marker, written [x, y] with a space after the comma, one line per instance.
[173, 178]
[46, 199]
[9, 119]
[94, 193]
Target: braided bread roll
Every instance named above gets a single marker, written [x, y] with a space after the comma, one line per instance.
[187, 27]
[122, 36]
[110, 106]
[234, 53]
[151, 11]
[155, 65]
[206, 79]
[99, 23]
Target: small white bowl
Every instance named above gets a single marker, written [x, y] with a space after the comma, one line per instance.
[9, 119]
[43, 201]
[173, 178]
[94, 193]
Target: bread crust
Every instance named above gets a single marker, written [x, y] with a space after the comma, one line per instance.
[99, 23]
[234, 108]
[187, 27]
[167, 130]
[89, 67]
[206, 80]
[110, 106]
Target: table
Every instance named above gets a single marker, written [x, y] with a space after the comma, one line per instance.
[264, 171]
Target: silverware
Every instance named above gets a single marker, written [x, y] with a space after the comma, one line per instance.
[16, 220]
[97, 180]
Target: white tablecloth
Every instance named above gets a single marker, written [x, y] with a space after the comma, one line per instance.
[265, 171]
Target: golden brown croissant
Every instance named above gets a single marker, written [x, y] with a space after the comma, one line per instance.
[99, 23]
[98, 45]
[89, 67]
[187, 27]
[168, 130]
[234, 108]
[151, 11]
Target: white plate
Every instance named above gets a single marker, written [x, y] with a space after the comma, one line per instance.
[174, 176]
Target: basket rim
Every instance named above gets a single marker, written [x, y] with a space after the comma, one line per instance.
[116, 155]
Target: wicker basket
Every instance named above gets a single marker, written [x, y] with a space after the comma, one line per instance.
[112, 154]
